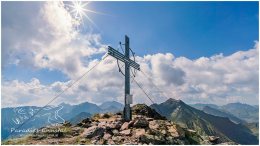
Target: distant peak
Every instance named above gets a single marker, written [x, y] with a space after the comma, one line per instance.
[64, 104]
[171, 100]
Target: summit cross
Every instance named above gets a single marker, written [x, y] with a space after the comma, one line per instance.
[127, 115]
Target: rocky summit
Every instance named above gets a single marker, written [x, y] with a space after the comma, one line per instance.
[146, 127]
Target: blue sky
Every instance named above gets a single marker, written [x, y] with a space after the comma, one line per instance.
[167, 35]
[190, 29]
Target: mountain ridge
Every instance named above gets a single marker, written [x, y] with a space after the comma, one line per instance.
[204, 123]
[242, 111]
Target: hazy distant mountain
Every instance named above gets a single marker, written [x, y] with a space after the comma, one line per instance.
[13, 117]
[108, 104]
[243, 111]
[216, 112]
[204, 123]
[111, 106]
[85, 107]
[200, 106]
[78, 118]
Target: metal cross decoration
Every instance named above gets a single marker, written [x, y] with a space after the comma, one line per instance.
[127, 115]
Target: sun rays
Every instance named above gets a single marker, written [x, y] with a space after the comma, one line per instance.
[79, 11]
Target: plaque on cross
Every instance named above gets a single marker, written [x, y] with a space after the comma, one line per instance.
[127, 115]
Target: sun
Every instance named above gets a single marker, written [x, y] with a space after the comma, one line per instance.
[80, 11]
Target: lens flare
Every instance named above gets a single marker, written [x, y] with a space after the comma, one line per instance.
[80, 11]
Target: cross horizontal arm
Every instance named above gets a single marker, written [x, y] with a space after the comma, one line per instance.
[134, 65]
[113, 52]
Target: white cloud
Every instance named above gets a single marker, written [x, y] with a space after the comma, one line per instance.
[103, 83]
[218, 79]
[50, 40]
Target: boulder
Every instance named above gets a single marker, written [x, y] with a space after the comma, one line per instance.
[140, 123]
[118, 139]
[87, 120]
[131, 123]
[93, 123]
[139, 132]
[152, 139]
[107, 136]
[104, 125]
[85, 125]
[149, 119]
[100, 142]
[115, 131]
[124, 126]
[168, 123]
[153, 125]
[115, 125]
[163, 132]
[173, 131]
[101, 124]
[75, 131]
[125, 132]
[110, 142]
[153, 132]
[93, 131]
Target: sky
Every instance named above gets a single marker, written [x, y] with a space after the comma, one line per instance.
[199, 52]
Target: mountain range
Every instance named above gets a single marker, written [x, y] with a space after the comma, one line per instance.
[237, 112]
[12, 117]
[219, 113]
[205, 119]
[205, 124]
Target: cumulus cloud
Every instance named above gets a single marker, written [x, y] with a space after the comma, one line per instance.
[163, 68]
[221, 78]
[50, 40]
[218, 79]
[103, 84]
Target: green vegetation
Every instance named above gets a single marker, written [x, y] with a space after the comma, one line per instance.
[18, 141]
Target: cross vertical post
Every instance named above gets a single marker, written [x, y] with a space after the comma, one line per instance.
[127, 110]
